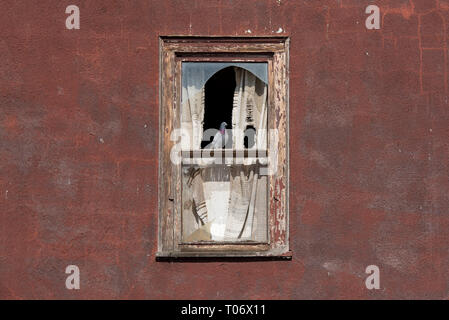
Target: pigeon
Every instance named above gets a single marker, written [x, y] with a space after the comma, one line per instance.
[220, 139]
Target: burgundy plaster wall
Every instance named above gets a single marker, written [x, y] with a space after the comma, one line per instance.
[369, 132]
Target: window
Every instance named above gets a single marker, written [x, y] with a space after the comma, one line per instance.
[223, 178]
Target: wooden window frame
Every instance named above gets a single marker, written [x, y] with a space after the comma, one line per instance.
[173, 51]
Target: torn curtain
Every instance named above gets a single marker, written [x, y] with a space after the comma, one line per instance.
[235, 196]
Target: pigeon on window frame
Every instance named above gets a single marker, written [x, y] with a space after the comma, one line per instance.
[220, 139]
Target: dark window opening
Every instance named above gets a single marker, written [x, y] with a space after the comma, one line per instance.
[250, 137]
[219, 99]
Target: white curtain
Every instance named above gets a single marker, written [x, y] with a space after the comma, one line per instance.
[192, 114]
[246, 205]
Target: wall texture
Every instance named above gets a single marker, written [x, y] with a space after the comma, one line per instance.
[369, 147]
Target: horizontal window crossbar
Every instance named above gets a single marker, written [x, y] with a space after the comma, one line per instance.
[224, 153]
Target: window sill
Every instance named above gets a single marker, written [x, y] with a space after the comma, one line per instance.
[222, 256]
